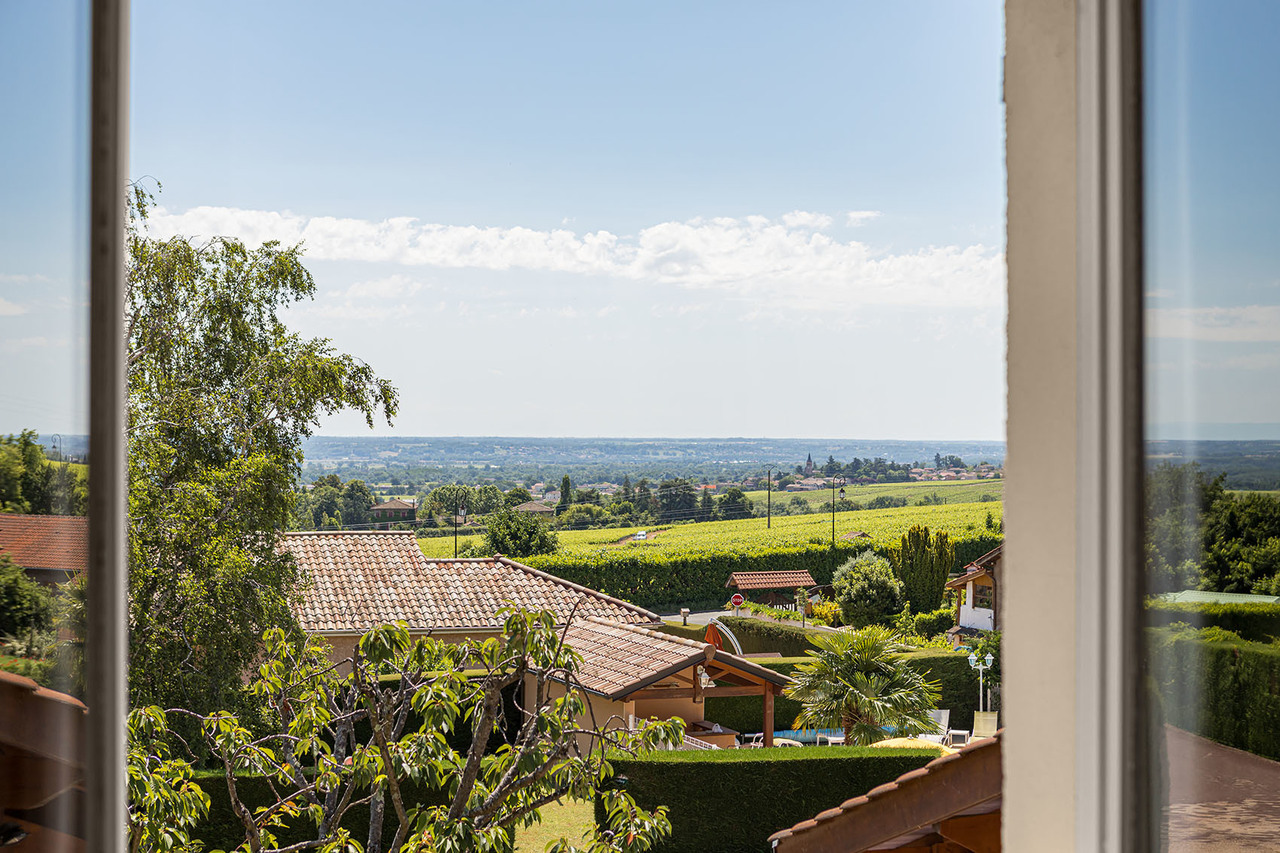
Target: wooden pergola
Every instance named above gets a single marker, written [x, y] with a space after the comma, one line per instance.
[628, 663]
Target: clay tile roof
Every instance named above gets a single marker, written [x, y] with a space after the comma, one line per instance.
[358, 579]
[46, 541]
[618, 660]
[985, 566]
[906, 812]
[770, 580]
[394, 503]
[534, 506]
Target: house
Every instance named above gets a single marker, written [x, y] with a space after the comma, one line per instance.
[359, 579]
[393, 511]
[50, 548]
[535, 508]
[953, 804]
[631, 672]
[976, 605]
[777, 587]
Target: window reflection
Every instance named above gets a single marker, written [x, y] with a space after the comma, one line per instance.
[1213, 418]
[44, 469]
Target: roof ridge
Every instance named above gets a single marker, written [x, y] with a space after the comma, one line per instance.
[349, 533]
[593, 593]
[651, 632]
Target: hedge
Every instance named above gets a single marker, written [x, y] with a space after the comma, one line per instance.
[732, 800]
[957, 686]
[1258, 622]
[1226, 691]
[696, 580]
[764, 635]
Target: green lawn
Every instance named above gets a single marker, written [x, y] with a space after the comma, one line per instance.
[566, 819]
[960, 491]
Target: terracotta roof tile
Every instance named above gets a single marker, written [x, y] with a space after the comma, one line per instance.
[360, 579]
[394, 503]
[46, 541]
[770, 580]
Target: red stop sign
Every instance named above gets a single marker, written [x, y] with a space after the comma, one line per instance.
[737, 599]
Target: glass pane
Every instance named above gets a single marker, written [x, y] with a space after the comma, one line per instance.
[43, 421]
[1213, 418]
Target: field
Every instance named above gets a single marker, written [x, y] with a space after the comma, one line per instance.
[966, 491]
[885, 527]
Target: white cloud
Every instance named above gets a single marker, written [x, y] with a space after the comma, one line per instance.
[1240, 324]
[378, 299]
[854, 218]
[10, 309]
[788, 262]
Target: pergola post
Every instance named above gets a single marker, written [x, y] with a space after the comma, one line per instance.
[768, 715]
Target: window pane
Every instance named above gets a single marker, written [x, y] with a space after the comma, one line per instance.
[1213, 418]
[43, 420]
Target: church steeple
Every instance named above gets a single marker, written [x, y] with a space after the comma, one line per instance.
[808, 466]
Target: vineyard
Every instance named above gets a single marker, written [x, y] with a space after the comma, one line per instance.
[953, 492]
[687, 564]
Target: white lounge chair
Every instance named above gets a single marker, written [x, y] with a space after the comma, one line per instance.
[985, 723]
[941, 722]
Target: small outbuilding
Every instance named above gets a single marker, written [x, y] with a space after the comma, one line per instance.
[770, 587]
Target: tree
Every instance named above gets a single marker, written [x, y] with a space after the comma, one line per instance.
[518, 534]
[365, 740]
[858, 681]
[625, 494]
[677, 500]
[582, 516]
[221, 395]
[485, 499]
[832, 467]
[24, 604]
[706, 506]
[356, 502]
[566, 495]
[450, 498]
[867, 590]
[644, 501]
[733, 504]
[26, 476]
[515, 497]
[923, 562]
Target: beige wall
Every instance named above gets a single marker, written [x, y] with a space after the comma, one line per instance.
[665, 709]
[603, 713]
[1038, 582]
[343, 646]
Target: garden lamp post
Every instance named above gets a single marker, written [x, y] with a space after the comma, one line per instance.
[833, 521]
[459, 510]
[981, 667]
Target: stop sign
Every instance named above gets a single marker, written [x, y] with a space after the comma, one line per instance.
[737, 599]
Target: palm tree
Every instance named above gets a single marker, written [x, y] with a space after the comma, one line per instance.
[860, 682]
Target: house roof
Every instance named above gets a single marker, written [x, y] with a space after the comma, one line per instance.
[953, 800]
[770, 580]
[534, 506]
[618, 660]
[46, 541]
[394, 503]
[985, 566]
[1195, 596]
[358, 579]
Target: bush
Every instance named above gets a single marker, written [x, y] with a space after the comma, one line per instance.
[1225, 691]
[827, 612]
[934, 622]
[759, 636]
[518, 534]
[24, 604]
[689, 632]
[1256, 622]
[867, 590]
[726, 801]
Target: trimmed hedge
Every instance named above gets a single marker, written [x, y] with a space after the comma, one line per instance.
[221, 830]
[957, 686]
[763, 635]
[731, 801]
[1257, 622]
[689, 632]
[697, 580]
[1226, 691]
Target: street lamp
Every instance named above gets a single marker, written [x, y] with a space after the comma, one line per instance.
[981, 668]
[833, 521]
[459, 509]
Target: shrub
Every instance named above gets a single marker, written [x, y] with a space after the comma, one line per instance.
[934, 622]
[827, 612]
[867, 590]
[758, 636]
[1256, 622]
[923, 562]
[24, 604]
[726, 801]
[518, 534]
[1225, 691]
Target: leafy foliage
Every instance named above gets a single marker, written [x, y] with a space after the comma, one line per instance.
[30, 483]
[867, 590]
[25, 605]
[858, 681]
[358, 741]
[518, 534]
[220, 396]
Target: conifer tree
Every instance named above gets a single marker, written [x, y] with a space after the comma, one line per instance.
[922, 563]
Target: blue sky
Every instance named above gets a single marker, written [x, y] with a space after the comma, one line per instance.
[610, 219]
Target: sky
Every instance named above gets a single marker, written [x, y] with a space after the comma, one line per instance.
[625, 219]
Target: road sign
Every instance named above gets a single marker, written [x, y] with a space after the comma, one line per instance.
[737, 600]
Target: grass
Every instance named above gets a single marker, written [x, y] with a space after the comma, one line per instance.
[960, 491]
[565, 819]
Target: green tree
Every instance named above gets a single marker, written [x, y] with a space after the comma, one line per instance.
[518, 534]
[356, 741]
[582, 516]
[515, 497]
[486, 499]
[733, 504]
[706, 506]
[356, 502]
[923, 562]
[221, 394]
[676, 500]
[867, 590]
[26, 476]
[626, 494]
[859, 681]
[24, 604]
[449, 498]
[566, 495]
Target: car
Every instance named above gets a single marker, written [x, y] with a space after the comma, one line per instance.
[643, 534]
